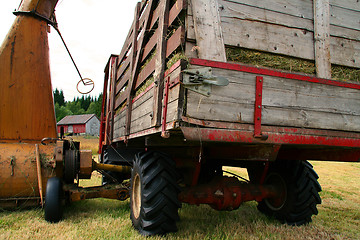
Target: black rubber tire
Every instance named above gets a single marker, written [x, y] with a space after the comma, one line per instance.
[154, 206]
[301, 193]
[53, 200]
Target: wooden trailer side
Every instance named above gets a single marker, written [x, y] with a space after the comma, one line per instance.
[287, 28]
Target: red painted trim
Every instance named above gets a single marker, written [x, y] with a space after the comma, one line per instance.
[276, 129]
[268, 72]
[170, 125]
[243, 136]
[145, 91]
[172, 68]
[165, 107]
[258, 106]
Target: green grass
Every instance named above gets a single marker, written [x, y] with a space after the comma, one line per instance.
[291, 64]
[338, 218]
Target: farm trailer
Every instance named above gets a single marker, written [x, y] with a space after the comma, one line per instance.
[175, 101]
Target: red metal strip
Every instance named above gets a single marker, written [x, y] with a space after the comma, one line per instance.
[170, 125]
[164, 133]
[274, 73]
[258, 106]
[243, 136]
[276, 129]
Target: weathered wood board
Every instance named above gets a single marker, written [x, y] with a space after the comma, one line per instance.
[286, 102]
[287, 27]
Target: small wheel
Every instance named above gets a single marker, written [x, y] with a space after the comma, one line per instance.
[300, 192]
[53, 200]
[154, 194]
[71, 166]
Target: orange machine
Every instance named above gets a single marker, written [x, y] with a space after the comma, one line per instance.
[27, 107]
[30, 152]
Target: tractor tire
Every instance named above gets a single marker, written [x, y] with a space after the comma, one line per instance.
[53, 200]
[300, 192]
[154, 193]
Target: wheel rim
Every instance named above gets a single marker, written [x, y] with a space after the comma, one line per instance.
[136, 196]
[276, 203]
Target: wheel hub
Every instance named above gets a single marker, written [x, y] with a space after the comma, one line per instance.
[276, 203]
[136, 196]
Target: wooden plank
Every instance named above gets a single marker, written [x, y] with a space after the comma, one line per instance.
[122, 68]
[296, 8]
[121, 98]
[347, 18]
[252, 12]
[155, 16]
[345, 52]
[145, 73]
[175, 10]
[208, 32]
[347, 4]
[122, 83]
[322, 38]
[338, 28]
[175, 40]
[127, 44]
[150, 44]
[160, 62]
[290, 42]
[286, 102]
[119, 125]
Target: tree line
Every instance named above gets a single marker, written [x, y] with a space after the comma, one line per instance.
[83, 105]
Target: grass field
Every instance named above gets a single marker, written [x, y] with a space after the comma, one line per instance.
[338, 218]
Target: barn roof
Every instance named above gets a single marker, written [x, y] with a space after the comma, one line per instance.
[76, 119]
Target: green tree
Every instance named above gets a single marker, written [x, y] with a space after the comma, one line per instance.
[61, 112]
[59, 97]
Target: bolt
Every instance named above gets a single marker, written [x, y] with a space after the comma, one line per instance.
[59, 150]
[234, 195]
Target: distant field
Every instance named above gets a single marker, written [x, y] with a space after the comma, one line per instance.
[339, 216]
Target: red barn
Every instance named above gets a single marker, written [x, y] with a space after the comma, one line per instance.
[80, 124]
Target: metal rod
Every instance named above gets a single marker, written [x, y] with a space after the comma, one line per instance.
[67, 49]
[38, 168]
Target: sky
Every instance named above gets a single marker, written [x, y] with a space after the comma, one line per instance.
[92, 30]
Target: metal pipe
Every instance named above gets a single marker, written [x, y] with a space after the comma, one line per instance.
[39, 176]
[112, 168]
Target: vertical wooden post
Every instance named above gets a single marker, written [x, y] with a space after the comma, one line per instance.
[160, 62]
[131, 83]
[208, 33]
[322, 38]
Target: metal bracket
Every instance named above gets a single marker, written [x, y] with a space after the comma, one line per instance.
[200, 80]
[258, 108]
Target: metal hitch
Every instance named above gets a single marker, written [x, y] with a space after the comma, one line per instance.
[200, 80]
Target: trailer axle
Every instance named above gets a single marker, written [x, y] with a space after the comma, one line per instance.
[227, 193]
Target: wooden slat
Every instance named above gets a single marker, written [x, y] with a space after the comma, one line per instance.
[253, 12]
[127, 43]
[160, 61]
[176, 9]
[348, 4]
[120, 100]
[155, 16]
[150, 44]
[286, 102]
[122, 68]
[346, 18]
[175, 40]
[123, 82]
[208, 32]
[322, 38]
[145, 73]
